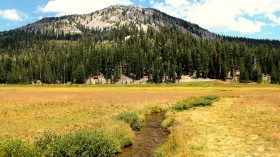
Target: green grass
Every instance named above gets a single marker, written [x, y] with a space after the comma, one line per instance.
[132, 118]
[195, 102]
[17, 148]
[80, 143]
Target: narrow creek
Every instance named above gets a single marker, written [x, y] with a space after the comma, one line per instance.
[150, 136]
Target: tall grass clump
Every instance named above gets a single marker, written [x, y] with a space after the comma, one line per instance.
[134, 119]
[183, 105]
[81, 143]
[15, 148]
[200, 101]
[195, 102]
[168, 123]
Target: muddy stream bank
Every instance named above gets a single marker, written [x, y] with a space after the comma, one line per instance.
[150, 137]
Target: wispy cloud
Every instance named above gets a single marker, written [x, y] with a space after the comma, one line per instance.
[65, 7]
[12, 15]
[273, 18]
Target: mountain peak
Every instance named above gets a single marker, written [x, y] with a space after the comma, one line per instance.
[115, 16]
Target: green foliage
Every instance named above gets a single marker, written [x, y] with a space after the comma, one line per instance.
[81, 143]
[200, 102]
[195, 102]
[44, 141]
[162, 56]
[244, 75]
[78, 75]
[257, 74]
[273, 76]
[17, 148]
[132, 118]
[183, 105]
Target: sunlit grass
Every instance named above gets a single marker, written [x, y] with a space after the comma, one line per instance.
[245, 121]
[242, 126]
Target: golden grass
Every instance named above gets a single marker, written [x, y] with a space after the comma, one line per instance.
[27, 111]
[242, 126]
[244, 122]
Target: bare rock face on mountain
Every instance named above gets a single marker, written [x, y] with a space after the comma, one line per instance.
[113, 17]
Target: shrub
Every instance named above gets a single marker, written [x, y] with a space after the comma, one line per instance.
[86, 143]
[132, 118]
[14, 148]
[183, 105]
[45, 140]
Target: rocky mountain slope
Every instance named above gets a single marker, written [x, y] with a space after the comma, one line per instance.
[113, 17]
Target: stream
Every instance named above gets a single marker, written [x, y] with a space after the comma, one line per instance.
[150, 137]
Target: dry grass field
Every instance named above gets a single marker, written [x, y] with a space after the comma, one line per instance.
[245, 122]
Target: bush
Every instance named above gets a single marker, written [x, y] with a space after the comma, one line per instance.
[132, 118]
[183, 105]
[45, 140]
[86, 143]
[14, 148]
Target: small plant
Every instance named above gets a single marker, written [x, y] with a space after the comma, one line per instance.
[14, 148]
[81, 143]
[132, 118]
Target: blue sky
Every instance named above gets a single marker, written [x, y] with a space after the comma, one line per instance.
[247, 18]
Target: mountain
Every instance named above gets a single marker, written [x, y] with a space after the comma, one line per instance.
[129, 45]
[115, 16]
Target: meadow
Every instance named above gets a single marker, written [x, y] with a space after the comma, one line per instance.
[244, 122]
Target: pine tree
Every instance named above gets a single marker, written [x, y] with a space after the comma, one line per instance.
[273, 75]
[224, 72]
[78, 74]
[179, 72]
[257, 74]
[244, 76]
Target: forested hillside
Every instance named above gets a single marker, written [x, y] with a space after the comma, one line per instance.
[162, 55]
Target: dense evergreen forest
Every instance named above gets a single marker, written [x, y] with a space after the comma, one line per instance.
[162, 56]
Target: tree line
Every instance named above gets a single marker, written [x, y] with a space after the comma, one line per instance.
[161, 56]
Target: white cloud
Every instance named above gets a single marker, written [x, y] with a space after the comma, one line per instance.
[152, 2]
[273, 18]
[223, 15]
[11, 14]
[65, 7]
[246, 26]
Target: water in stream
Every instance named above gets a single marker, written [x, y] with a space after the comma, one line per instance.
[150, 136]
